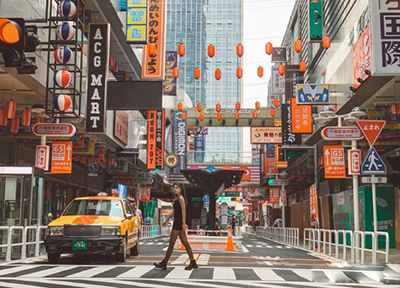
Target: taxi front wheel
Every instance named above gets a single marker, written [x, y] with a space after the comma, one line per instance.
[53, 258]
[121, 257]
[135, 249]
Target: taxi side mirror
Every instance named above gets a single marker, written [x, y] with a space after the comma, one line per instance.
[129, 216]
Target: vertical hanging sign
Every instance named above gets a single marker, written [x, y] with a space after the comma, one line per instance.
[288, 138]
[301, 118]
[136, 22]
[315, 20]
[160, 139]
[313, 206]
[153, 65]
[179, 140]
[99, 46]
[151, 138]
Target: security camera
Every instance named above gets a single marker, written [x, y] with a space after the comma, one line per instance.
[321, 120]
[360, 80]
[367, 72]
[353, 89]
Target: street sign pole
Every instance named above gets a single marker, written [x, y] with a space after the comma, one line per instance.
[356, 205]
[283, 215]
[374, 204]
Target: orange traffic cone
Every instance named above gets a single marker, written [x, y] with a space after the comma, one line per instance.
[229, 246]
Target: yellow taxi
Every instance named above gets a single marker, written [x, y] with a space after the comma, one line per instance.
[99, 225]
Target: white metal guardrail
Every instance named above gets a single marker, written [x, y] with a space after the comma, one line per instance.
[150, 231]
[19, 236]
[289, 236]
[344, 241]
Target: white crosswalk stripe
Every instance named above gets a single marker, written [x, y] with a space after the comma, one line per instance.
[128, 272]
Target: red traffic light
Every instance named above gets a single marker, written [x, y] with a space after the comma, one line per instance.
[12, 30]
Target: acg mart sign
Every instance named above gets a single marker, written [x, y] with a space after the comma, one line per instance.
[99, 46]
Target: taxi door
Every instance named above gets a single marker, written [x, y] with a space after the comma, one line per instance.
[129, 224]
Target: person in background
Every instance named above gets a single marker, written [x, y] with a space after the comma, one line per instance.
[278, 221]
[138, 213]
[178, 228]
[48, 219]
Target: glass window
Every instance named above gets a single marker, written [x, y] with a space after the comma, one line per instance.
[101, 207]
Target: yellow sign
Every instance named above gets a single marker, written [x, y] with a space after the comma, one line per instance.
[136, 3]
[136, 16]
[136, 34]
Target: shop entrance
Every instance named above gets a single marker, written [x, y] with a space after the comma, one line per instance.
[17, 200]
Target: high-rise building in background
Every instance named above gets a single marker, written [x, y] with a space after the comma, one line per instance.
[197, 24]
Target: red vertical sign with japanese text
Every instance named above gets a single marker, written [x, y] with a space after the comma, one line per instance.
[160, 131]
[301, 118]
[153, 65]
[313, 206]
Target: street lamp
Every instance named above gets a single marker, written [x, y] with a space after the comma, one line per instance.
[357, 113]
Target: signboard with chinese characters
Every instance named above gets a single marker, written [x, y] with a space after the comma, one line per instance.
[314, 220]
[293, 77]
[312, 94]
[385, 34]
[121, 126]
[274, 195]
[315, 20]
[151, 139]
[266, 135]
[153, 65]
[361, 57]
[334, 162]
[136, 22]
[301, 118]
[61, 157]
[170, 82]
[288, 138]
[277, 82]
[199, 148]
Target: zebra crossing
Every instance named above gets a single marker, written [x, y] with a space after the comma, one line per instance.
[264, 245]
[56, 272]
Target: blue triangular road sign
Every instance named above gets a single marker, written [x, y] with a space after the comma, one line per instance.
[373, 164]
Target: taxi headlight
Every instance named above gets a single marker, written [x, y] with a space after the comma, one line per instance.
[110, 231]
[55, 231]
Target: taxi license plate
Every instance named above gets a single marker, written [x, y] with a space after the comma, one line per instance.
[79, 244]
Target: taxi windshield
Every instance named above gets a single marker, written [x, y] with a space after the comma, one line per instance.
[100, 207]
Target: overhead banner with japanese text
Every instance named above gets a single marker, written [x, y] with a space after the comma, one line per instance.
[170, 83]
[153, 65]
[385, 35]
[288, 138]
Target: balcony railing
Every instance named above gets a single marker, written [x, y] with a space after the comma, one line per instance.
[223, 157]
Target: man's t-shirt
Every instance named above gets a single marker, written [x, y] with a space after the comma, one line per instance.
[278, 223]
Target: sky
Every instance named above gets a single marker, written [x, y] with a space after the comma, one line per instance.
[264, 21]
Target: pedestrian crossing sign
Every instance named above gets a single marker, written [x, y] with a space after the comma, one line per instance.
[373, 164]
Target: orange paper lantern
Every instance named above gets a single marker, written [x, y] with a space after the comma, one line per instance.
[201, 116]
[111, 61]
[218, 107]
[219, 116]
[180, 106]
[181, 49]
[115, 67]
[39, 119]
[273, 113]
[11, 106]
[303, 66]
[237, 116]
[298, 45]
[218, 74]
[255, 115]
[175, 72]
[239, 50]
[269, 48]
[3, 117]
[281, 69]
[260, 71]
[276, 103]
[14, 125]
[211, 50]
[183, 116]
[196, 73]
[152, 48]
[199, 107]
[239, 72]
[26, 117]
[326, 42]
[237, 106]
[257, 105]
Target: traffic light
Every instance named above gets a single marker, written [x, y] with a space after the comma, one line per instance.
[15, 39]
[271, 182]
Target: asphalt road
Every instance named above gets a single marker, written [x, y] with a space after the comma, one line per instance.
[263, 263]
